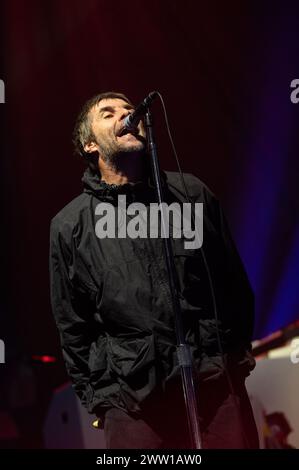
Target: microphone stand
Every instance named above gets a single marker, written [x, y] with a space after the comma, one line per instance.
[183, 349]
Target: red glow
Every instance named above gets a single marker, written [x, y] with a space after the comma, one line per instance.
[45, 359]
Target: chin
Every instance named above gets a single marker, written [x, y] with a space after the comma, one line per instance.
[133, 148]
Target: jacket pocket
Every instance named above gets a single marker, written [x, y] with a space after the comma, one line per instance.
[127, 356]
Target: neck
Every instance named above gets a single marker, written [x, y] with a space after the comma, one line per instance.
[128, 168]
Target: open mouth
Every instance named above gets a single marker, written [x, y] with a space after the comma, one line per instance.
[125, 131]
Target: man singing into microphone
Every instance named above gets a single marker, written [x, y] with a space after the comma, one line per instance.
[112, 303]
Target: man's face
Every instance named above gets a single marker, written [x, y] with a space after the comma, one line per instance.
[106, 119]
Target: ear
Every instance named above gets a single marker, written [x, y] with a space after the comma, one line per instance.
[91, 147]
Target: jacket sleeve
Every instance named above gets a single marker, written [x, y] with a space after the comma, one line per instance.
[70, 312]
[239, 291]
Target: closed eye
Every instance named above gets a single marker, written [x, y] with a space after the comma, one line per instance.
[108, 116]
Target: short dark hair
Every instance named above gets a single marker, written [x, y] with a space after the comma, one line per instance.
[82, 133]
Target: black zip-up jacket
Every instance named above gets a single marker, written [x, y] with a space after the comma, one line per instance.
[112, 304]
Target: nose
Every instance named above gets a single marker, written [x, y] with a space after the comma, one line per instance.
[124, 114]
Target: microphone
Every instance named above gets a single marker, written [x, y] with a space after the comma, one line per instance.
[132, 120]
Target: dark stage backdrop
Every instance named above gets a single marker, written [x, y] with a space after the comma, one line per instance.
[225, 74]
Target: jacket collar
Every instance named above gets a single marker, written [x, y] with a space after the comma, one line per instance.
[142, 191]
